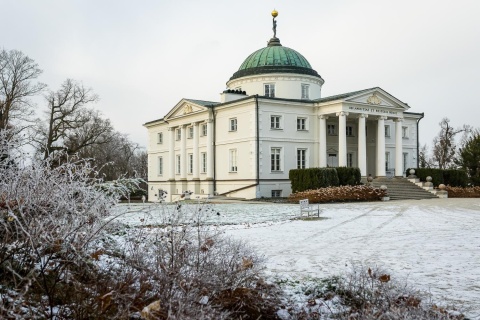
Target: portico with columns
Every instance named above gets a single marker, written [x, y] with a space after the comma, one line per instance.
[373, 109]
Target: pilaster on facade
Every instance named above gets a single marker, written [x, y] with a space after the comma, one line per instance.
[171, 153]
[381, 172]
[210, 154]
[183, 152]
[342, 138]
[362, 144]
[398, 148]
[196, 164]
[322, 148]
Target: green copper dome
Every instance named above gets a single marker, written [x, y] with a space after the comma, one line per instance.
[274, 58]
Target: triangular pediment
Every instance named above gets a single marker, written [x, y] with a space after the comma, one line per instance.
[186, 107]
[377, 97]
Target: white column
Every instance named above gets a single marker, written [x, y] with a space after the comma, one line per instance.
[322, 149]
[381, 147]
[209, 149]
[195, 152]
[342, 138]
[183, 153]
[171, 151]
[362, 145]
[398, 148]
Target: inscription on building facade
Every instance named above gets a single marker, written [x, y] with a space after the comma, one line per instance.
[372, 110]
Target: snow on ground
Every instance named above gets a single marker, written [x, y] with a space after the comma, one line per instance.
[434, 244]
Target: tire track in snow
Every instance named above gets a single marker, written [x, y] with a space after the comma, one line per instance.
[339, 224]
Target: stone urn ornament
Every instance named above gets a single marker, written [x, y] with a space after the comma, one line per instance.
[429, 183]
[369, 179]
[412, 174]
[384, 188]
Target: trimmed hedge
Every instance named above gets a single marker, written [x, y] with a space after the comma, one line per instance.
[349, 176]
[313, 178]
[454, 178]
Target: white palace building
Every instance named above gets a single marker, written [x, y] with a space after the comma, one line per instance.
[272, 118]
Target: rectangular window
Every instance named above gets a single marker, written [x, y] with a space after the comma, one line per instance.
[350, 160]
[178, 162]
[301, 123]
[301, 158]
[190, 163]
[387, 161]
[160, 166]
[233, 160]
[276, 193]
[275, 159]
[178, 134]
[275, 122]
[204, 130]
[405, 132]
[305, 91]
[349, 131]
[203, 156]
[387, 131]
[331, 129]
[269, 90]
[233, 124]
[160, 138]
[190, 132]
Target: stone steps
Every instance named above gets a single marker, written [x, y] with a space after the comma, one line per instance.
[402, 189]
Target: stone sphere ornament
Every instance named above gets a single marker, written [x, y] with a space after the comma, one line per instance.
[412, 172]
[383, 187]
[442, 186]
[370, 178]
[429, 179]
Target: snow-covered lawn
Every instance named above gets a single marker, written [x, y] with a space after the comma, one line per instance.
[434, 244]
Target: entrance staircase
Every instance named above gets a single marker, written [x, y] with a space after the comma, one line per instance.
[402, 189]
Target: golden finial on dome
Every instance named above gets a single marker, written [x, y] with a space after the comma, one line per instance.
[274, 13]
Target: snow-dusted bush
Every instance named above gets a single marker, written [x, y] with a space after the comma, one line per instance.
[63, 256]
[336, 194]
[365, 293]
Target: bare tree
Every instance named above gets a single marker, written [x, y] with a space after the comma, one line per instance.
[17, 84]
[444, 144]
[424, 159]
[118, 157]
[70, 125]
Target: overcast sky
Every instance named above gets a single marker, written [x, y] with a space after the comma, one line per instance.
[142, 57]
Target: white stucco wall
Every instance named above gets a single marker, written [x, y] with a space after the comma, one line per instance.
[287, 86]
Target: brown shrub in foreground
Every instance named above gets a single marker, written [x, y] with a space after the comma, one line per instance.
[339, 194]
[459, 192]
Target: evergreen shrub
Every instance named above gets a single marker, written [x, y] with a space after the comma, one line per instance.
[455, 178]
[349, 176]
[313, 178]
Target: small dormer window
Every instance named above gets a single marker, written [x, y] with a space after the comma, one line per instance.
[269, 90]
[305, 91]
[233, 124]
